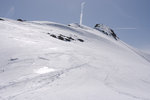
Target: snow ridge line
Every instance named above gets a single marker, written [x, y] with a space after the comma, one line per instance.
[136, 52]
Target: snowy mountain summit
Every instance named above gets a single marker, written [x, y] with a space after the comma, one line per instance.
[42, 60]
[106, 30]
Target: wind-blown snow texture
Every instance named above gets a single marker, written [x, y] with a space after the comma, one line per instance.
[37, 66]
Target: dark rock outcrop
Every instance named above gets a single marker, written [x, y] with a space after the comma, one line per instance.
[106, 30]
[21, 20]
[81, 40]
[65, 38]
[1, 19]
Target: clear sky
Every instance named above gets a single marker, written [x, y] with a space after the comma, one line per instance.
[130, 19]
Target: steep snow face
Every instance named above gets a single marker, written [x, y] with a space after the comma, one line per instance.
[37, 64]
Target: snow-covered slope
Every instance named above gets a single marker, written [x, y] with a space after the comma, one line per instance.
[37, 62]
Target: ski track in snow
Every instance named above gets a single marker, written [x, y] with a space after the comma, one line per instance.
[42, 80]
[124, 93]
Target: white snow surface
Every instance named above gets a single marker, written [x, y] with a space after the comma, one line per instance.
[36, 66]
[43, 70]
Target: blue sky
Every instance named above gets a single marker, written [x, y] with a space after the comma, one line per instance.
[129, 18]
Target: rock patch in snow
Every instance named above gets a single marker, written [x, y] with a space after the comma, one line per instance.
[106, 30]
[21, 20]
[65, 38]
[1, 19]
